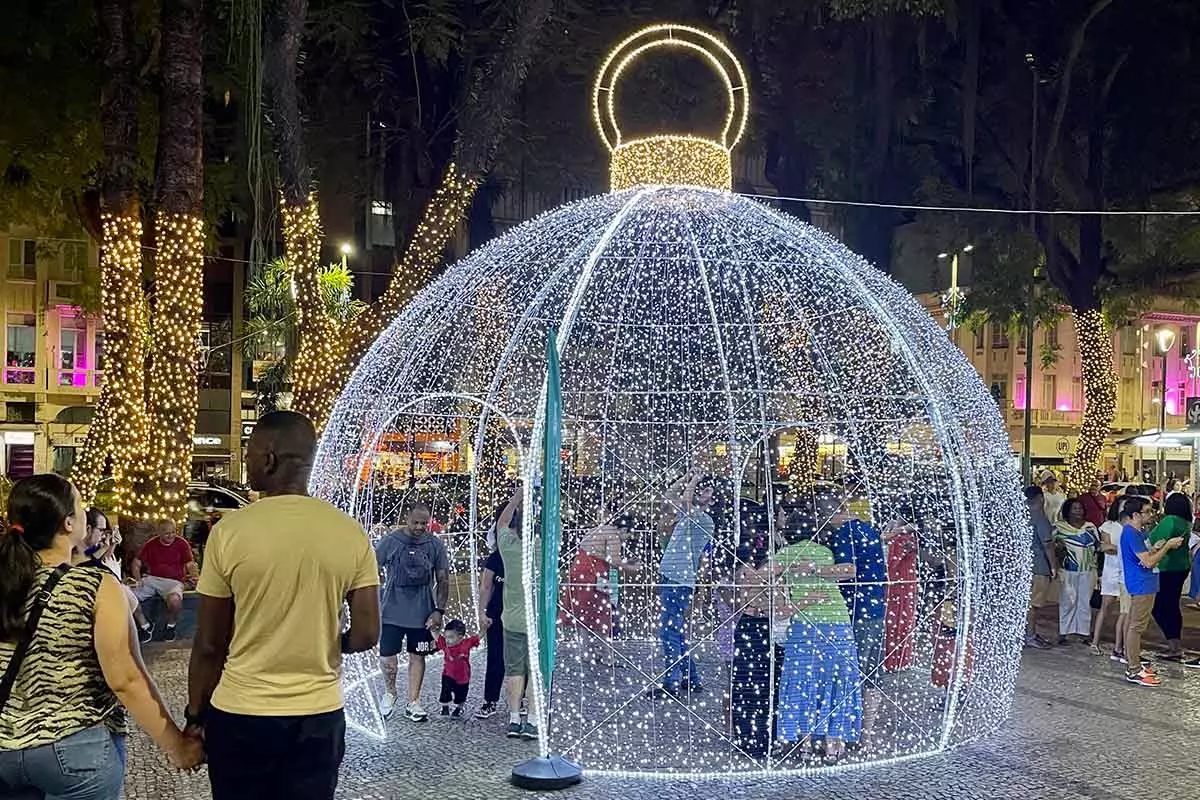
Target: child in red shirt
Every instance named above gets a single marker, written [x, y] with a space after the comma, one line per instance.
[456, 666]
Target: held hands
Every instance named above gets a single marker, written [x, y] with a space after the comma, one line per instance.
[434, 622]
[188, 753]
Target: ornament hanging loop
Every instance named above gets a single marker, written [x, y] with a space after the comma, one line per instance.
[671, 158]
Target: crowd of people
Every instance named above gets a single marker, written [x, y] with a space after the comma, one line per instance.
[1091, 553]
[808, 623]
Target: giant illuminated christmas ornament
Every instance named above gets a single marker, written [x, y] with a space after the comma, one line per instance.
[736, 388]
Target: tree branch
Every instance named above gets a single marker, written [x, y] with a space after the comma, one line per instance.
[1064, 94]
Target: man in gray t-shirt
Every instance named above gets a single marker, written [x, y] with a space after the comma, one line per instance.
[416, 586]
[1045, 564]
[685, 551]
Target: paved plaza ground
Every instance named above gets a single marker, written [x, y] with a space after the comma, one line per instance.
[1077, 731]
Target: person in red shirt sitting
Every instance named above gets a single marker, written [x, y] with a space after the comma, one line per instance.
[164, 567]
[456, 666]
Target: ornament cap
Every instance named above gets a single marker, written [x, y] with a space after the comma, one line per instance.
[671, 159]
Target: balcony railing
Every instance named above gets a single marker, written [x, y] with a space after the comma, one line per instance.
[20, 376]
[78, 378]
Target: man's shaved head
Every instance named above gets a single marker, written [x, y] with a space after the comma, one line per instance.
[279, 455]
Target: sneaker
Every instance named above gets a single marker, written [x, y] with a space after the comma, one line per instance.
[1192, 663]
[1145, 664]
[486, 710]
[456, 712]
[1142, 678]
[146, 634]
[445, 711]
[514, 730]
[1095, 650]
[387, 705]
[528, 731]
[413, 711]
[169, 634]
[1036, 642]
[1062, 640]
[1117, 655]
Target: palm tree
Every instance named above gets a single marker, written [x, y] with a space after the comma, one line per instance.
[121, 406]
[272, 333]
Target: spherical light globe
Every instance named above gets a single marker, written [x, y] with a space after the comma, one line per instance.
[702, 331]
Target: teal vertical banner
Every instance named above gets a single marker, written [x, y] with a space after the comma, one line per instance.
[551, 514]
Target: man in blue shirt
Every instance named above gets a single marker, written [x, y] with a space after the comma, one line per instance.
[681, 561]
[858, 543]
[1139, 560]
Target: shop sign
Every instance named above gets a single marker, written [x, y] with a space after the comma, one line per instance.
[206, 441]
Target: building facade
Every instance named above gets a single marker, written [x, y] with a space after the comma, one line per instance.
[54, 357]
[1056, 399]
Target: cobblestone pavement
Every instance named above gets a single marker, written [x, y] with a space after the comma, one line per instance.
[1077, 731]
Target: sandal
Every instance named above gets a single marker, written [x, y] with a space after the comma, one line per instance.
[1096, 650]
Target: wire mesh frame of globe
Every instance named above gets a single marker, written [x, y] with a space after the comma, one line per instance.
[491, 312]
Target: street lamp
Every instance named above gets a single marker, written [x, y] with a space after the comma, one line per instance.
[954, 295]
[346, 249]
[1165, 339]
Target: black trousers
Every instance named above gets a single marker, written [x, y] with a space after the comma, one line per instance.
[257, 757]
[750, 686]
[493, 679]
[1167, 613]
[453, 689]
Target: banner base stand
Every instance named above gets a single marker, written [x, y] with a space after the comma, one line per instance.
[546, 774]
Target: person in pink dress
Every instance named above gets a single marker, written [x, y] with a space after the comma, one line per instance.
[900, 621]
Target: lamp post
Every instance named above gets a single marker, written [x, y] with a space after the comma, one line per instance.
[1027, 453]
[953, 296]
[1165, 339]
[347, 249]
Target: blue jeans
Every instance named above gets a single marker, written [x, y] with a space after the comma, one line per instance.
[676, 600]
[89, 765]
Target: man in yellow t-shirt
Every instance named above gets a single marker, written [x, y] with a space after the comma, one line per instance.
[264, 680]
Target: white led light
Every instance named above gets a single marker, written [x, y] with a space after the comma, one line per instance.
[699, 330]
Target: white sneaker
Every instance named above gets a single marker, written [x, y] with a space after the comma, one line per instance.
[415, 712]
[387, 705]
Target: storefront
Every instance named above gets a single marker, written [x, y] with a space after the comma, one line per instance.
[212, 458]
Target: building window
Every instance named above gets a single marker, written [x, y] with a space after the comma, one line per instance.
[74, 262]
[22, 259]
[1052, 336]
[72, 352]
[382, 234]
[1129, 341]
[979, 339]
[1049, 392]
[64, 459]
[20, 355]
[1077, 394]
[999, 336]
[999, 389]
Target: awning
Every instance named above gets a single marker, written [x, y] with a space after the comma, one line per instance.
[1165, 439]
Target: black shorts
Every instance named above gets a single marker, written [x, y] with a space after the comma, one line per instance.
[393, 637]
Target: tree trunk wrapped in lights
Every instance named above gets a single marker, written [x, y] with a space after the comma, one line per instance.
[330, 351]
[162, 473]
[1100, 397]
[118, 429]
[320, 335]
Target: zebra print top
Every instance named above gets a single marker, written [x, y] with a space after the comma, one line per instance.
[60, 689]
